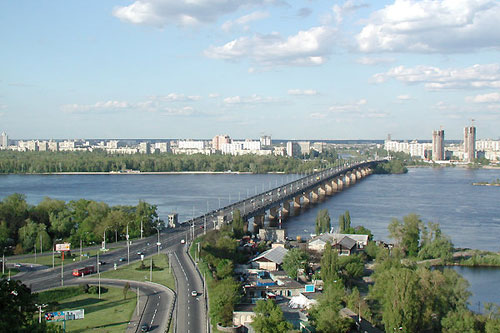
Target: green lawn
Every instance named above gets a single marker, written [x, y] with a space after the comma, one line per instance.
[13, 271]
[111, 313]
[46, 260]
[129, 272]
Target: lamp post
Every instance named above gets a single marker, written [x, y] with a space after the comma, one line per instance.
[142, 218]
[128, 245]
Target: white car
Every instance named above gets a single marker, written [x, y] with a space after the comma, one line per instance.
[183, 241]
[194, 293]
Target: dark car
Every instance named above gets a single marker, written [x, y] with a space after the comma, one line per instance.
[102, 262]
[122, 259]
[144, 327]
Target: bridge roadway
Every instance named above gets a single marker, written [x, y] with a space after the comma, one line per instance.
[260, 203]
[190, 310]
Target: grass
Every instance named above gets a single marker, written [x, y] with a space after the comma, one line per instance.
[111, 313]
[13, 271]
[129, 272]
[46, 260]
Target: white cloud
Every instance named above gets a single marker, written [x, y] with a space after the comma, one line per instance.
[213, 95]
[434, 78]
[353, 108]
[160, 104]
[99, 106]
[374, 60]
[318, 115]
[243, 21]
[306, 48]
[349, 6]
[404, 97]
[432, 26]
[159, 13]
[443, 106]
[306, 92]
[174, 97]
[249, 100]
[486, 98]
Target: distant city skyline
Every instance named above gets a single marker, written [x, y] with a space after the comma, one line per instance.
[306, 70]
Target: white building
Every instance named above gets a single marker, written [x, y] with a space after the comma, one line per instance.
[219, 140]
[241, 147]
[191, 144]
[265, 140]
[4, 141]
[414, 148]
[162, 147]
[144, 148]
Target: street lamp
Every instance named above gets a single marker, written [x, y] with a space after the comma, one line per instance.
[128, 245]
[158, 230]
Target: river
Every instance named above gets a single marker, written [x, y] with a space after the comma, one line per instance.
[469, 214]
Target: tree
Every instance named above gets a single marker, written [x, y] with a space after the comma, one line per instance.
[398, 291]
[330, 265]
[325, 315]
[126, 288]
[341, 223]
[238, 224]
[225, 296]
[18, 306]
[269, 318]
[347, 218]
[294, 260]
[407, 234]
[323, 222]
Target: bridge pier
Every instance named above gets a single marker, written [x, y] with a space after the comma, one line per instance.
[314, 196]
[322, 190]
[306, 198]
[347, 179]
[296, 202]
[273, 213]
[258, 222]
[358, 174]
[329, 188]
[285, 210]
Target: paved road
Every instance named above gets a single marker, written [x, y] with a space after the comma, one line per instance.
[155, 302]
[191, 309]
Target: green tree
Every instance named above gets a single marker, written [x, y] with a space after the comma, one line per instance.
[398, 291]
[238, 224]
[322, 222]
[225, 295]
[126, 288]
[347, 218]
[407, 234]
[294, 260]
[341, 223]
[330, 265]
[325, 316]
[459, 321]
[269, 318]
[18, 306]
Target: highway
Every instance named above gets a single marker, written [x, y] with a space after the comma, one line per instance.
[190, 311]
[155, 302]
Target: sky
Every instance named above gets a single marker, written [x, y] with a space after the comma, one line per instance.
[301, 69]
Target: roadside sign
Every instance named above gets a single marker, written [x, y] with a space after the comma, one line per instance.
[63, 247]
[54, 316]
[74, 314]
[65, 315]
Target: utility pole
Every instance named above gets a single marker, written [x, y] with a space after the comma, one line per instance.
[3, 263]
[62, 268]
[80, 248]
[35, 250]
[41, 241]
[205, 225]
[128, 247]
[99, 274]
[142, 218]
[151, 270]
[53, 260]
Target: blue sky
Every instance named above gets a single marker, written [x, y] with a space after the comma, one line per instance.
[292, 69]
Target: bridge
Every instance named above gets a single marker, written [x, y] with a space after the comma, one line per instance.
[277, 203]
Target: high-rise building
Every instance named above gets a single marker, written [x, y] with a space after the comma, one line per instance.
[4, 141]
[438, 145]
[469, 143]
[219, 140]
[265, 140]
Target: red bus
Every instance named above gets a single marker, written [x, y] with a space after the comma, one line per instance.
[83, 271]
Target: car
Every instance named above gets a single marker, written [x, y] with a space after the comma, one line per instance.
[144, 327]
[122, 259]
[194, 293]
[140, 253]
[102, 262]
[183, 241]
[17, 265]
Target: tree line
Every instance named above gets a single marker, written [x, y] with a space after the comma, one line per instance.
[24, 226]
[99, 161]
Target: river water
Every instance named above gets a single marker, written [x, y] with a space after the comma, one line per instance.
[469, 214]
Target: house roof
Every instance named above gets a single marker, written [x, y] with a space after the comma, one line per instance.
[336, 238]
[275, 255]
[347, 242]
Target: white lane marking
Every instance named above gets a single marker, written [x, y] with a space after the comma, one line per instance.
[175, 253]
[153, 318]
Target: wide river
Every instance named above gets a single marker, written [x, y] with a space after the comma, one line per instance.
[469, 214]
